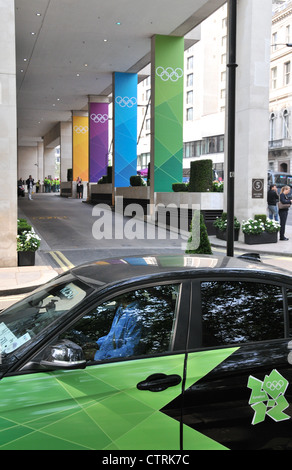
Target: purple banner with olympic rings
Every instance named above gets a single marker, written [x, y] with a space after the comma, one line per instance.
[98, 140]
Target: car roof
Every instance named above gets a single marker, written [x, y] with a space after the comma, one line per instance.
[116, 270]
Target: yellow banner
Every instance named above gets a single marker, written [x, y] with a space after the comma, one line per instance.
[80, 147]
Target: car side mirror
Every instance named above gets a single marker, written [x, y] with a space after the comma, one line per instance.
[63, 355]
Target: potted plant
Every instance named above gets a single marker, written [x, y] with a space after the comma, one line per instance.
[258, 231]
[220, 225]
[27, 244]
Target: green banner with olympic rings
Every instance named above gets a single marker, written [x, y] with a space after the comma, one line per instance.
[168, 75]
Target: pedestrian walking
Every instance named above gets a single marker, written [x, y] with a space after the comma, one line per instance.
[30, 185]
[273, 199]
[284, 206]
[79, 188]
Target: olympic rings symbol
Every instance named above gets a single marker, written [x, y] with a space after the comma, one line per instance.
[126, 101]
[99, 118]
[80, 129]
[275, 385]
[169, 73]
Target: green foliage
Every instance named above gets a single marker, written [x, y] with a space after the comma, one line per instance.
[22, 225]
[261, 217]
[221, 222]
[178, 187]
[28, 240]
[198, 241]
[137, 180]
[201, 176]
[218, 186]
[258, 226]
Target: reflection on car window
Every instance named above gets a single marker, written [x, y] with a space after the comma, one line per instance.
[24, 320]
[240, 312]
[136, 323]
[289, 302]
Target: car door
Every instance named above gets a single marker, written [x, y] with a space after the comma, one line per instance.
[238, 391]
[116, 401]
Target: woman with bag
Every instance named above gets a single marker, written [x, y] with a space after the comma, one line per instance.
[284, 206]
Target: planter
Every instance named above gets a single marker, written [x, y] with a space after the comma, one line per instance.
[265, 237]
[26, 258]
[222, 234]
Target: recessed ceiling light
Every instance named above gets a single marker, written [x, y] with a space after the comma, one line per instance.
[38, 14]
[32, 33]
[78, 74]
[118, 23]
[24, 60]
[105, 40]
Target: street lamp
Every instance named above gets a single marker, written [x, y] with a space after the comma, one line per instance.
[288, 44]
[232, 18]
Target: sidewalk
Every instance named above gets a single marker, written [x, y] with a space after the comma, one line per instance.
[281, 248]
[17, 282]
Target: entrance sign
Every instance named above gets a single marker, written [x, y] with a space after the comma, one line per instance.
[257, 188]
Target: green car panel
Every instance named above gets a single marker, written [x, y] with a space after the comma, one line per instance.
[100, 407]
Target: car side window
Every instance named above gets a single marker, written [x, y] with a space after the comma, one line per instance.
[241, 312]
[140, 322]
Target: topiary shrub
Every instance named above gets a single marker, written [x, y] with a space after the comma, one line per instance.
[198, 241]
[178, 187]
[136, 180]
[201, 176]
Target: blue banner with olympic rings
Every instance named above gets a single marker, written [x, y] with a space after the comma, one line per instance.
[125, 128]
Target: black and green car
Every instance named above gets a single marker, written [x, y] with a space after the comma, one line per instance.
[155, 353]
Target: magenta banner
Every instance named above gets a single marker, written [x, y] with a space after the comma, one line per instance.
[98, 141]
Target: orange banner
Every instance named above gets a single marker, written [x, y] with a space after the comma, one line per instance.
[80, 147]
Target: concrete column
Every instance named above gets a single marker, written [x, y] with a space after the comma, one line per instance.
[65, 149]
[8, 136]
[49, 162]
[252, 106]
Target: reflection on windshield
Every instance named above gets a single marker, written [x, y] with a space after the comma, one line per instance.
[24, 320]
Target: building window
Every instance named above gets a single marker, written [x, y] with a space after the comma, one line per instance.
[274, 41]
[285, 124]
[287, 69]
[190, 63]
[274, 78]
[223, 77]
[190, 79]
[288, 31]
[189, 149]
[189, 114]
[272, 126]
[189, 97]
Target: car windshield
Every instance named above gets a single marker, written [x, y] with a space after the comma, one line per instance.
[24, 320]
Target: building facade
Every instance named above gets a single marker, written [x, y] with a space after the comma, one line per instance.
[280, 139]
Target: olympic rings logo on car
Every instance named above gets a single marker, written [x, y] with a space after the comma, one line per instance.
[126, 101]
[275, 385]
[99, 118]
[80, 129]
[169, 73]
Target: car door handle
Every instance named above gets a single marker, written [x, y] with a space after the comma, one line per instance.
[159, 382]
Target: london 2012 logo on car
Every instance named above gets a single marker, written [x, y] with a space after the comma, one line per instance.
[267, 397]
